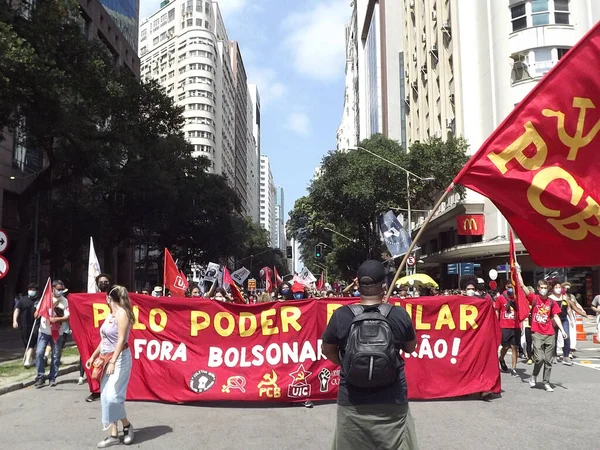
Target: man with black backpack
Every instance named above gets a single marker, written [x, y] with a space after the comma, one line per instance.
[365, 340]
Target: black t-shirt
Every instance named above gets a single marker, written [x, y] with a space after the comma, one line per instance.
[336, 333]
[26, 308]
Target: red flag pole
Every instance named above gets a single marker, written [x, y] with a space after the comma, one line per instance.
[416, 239]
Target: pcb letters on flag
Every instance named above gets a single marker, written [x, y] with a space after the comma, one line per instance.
[541, 168]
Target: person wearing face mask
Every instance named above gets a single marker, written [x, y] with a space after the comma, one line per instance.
[103, 282]
[544, 311]
[195, 292]
[506, 311]
[222, 296]
[59, 323]
[574, 308]
[23, 318]
[285, 292]
[351, 290]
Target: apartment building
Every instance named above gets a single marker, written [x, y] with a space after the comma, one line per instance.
[267, 199]
[253, 156]
[467, 63]
[280, 240]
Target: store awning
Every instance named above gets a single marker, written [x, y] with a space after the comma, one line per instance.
[479, 250]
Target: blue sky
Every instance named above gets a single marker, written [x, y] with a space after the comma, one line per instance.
[294, 52]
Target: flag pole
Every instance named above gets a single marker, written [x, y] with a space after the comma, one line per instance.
[415, 240]
[164, 292]
[29, 340]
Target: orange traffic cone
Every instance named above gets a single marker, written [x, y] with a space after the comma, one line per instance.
[581, 336]
[596, 340]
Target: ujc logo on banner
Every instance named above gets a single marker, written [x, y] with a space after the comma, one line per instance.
[179, 282]
[300, 388]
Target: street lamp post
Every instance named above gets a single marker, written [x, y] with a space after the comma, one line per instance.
[339, 234]
[408, 174]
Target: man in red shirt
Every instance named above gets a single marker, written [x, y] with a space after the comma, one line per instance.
[506, 308]
[543, 311]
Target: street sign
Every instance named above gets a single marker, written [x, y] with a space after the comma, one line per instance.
[411, 261]
[3, 241]
[502, 268]
[453, 269]
[467, 269]
[251, 284]
[3, 267]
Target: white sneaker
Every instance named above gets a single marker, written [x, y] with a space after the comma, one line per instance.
[129, 435]
[81, 380]
[567, 362]
[533, 381]
[548, 387]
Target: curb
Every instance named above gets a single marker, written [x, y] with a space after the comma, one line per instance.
[17, 386]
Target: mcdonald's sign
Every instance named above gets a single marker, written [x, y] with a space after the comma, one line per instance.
[470, 225]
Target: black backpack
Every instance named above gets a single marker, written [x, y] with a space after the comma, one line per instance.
[371, 358]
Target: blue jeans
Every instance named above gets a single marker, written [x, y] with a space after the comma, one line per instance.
[43, 341]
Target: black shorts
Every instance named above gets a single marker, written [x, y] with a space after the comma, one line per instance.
[511, 336]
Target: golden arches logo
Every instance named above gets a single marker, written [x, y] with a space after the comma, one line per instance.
[470, 224]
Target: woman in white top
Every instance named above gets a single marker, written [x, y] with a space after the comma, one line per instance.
[114, 333]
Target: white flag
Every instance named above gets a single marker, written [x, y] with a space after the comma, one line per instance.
[240, 275]
[93, 269]
[307, 277]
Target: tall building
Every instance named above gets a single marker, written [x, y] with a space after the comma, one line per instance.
[253, 167]
[280, 240]
[241, 124]
[467, 64]
[374, 34]
[267, 199]
[125, 14]
[20, 165]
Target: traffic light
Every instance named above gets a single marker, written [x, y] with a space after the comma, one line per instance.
[288, 252]
[318, 251]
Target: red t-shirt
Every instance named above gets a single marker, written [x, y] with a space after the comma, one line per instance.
[508, 319]
[541, 316]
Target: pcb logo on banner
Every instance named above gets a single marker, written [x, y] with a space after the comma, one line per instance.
[202, 381]
[300, 387]
[268, 386]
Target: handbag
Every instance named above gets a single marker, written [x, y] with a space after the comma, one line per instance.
[99, 365]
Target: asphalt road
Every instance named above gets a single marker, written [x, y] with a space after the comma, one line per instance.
[59, 418]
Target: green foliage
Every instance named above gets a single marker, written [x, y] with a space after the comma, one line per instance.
[354, 188]
[117, 166]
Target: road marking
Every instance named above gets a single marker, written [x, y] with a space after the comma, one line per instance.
[592, 363]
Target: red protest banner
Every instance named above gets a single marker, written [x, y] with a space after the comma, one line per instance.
[188, 350]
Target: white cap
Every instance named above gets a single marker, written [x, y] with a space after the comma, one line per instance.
[480, 281]
[158, 289]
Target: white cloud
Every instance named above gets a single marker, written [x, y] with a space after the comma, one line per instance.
[299, 123]
[270, 88]
[316, 39]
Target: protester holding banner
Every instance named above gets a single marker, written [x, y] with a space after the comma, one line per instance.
[114, 334]
[372, 410]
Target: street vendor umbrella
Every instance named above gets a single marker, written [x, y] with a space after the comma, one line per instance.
[418, 279]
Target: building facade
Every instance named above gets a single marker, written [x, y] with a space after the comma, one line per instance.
[467, 64]
[280, 240]
[374, 86]
[241, 124]
[267, 199]
[253, 172]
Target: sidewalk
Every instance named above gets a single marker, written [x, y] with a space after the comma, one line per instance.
[11, 346]
[14, 376]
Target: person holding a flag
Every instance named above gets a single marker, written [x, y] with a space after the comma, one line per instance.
[54, 312]
[506, 310]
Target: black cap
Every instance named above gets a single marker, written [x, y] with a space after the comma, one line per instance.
[371, 276]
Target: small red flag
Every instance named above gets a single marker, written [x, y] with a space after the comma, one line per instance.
[235, 292]
[175, 280]
[540, 166]
[278, 279]
[267, 274]
[46, 310]
[321, 283]
[521, 299]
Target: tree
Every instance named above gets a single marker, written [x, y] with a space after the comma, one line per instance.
[354, 188]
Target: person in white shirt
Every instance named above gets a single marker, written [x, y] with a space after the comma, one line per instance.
[59, 322]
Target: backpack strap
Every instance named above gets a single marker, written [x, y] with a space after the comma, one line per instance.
[385, 309]
[356, 309]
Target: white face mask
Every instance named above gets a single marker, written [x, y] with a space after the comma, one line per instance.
[558, 291]
[543, 291]
[31, 293]
[470, 292]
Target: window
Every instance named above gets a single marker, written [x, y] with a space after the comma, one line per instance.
[198, 22]
[207, 8]
[519, 17]
[171, 15]
[163, 36]
[155, 41]
[190, 22]
[543, 60]
[206, 25]
[539, 12]
[561, 11]
[199, 6]
[143, 34]
[163, 19]
[561, 52]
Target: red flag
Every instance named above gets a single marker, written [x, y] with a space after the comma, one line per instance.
[521, 300]
[235, 292]
[175, 281]
[321, 283]
[540, 167]
[46, 310]
[266, 274]
[278, 279]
